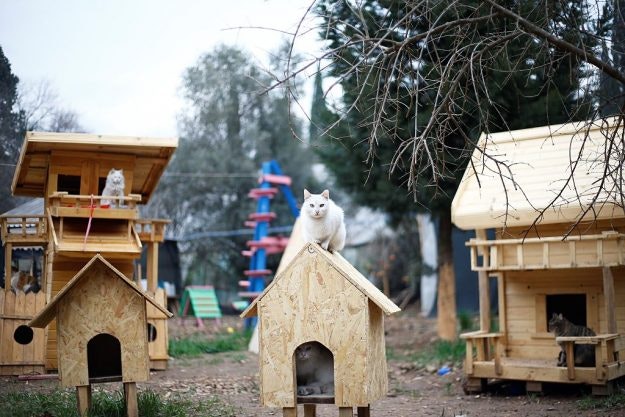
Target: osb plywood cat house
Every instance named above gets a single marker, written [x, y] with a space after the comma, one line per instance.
[101, 331]
[321, 297]
[547, 254]
[69, 170]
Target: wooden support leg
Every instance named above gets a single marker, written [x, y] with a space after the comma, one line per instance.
[601, 390]
[83, 399]
[289, 411]
[474, 385]
[534, 386]
[310, 410]
[364, 411]
[346, 411]
[130, 398]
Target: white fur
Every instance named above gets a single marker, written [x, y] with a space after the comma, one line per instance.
[322, 221]
[114, 187]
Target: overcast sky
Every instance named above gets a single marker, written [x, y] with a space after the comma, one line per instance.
[118, 63]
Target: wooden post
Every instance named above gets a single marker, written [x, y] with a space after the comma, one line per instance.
[484, 286]
[608, 292]
[8, 252]
[152, 267]
[83, 399]
[346, 411]
[364, 411]
[130, 399]
[310, 410]
[570, 359]
[289, 411]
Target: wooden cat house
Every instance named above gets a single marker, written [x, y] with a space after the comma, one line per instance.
[550, 248]
[101, 331]
[68, 172]
[321, 297]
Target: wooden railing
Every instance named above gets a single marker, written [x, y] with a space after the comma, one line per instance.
[151, 230]
[27, 229]
[62, 204]
[488, 347]
[611, 344]
[598, 250]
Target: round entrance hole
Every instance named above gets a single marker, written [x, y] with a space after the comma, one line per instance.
[151, 332]
[23, 335]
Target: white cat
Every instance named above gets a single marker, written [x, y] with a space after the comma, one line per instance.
[322, 221]
[114, 187]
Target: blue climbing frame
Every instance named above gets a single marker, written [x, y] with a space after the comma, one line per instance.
[271, 175]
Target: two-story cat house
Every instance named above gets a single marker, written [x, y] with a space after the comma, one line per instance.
[321, 297]
[68, 171]
[554, 243]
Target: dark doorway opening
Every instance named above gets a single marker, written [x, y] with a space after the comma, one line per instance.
[104, 358]
[571, 306]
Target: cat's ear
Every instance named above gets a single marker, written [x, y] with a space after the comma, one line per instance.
[306, 194]
[560, 316]
[325, 194]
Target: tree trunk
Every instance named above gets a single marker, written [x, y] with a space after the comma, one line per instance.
[446, 304]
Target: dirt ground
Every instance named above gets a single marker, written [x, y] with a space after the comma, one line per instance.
[413, 391]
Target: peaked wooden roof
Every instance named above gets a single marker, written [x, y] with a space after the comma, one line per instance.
[46, 315]
[346, 269]
[540, 161]
[151, 157]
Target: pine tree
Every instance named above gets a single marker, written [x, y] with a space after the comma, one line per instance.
[526, 84]
[11, 131]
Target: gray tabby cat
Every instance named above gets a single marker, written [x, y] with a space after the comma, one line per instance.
[314, 369]
[114, 187]
[584, 354]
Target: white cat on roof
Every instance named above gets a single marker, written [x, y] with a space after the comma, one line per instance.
[322, 221]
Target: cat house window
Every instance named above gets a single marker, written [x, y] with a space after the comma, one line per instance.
[69, 183]
[571, 306]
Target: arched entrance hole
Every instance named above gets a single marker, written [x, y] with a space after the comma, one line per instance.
[314, 372]
[104, 358]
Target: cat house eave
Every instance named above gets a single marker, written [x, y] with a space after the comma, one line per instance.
[46, 315]
[344, 268]
[150, 155]
[534, 188]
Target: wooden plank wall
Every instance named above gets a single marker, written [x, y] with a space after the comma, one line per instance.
[525, 294]
[16, 310]
[158, 347]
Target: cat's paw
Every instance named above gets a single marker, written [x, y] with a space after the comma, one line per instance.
[305, 390]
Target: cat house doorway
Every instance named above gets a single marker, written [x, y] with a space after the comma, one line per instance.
[104, 358]
[571, 306]
[314, 373]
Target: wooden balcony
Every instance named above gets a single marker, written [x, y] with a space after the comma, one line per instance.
[585, 251]
[83, 237]
[151, 230]
[62, 204]
[24, 230]
[485, 359]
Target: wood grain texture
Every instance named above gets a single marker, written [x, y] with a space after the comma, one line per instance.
[101, 304]
[312, 300]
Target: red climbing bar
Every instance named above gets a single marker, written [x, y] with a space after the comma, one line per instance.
[257, 272]
[276, 179]
[262, 192]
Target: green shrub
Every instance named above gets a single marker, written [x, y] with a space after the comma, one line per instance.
[198, 344]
